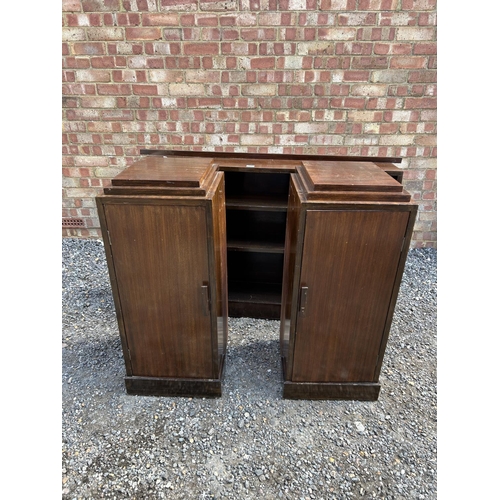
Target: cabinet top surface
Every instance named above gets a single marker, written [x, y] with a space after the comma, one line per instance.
[169, 172]
[347, 176]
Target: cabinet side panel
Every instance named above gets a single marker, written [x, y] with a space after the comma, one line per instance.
[289, 266]
[220, 247]
[349, 265]
[101, 202]
[161, 265]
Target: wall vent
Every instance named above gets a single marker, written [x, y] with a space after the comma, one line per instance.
[72, 222]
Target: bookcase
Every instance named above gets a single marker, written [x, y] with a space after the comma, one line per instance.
[318, 242]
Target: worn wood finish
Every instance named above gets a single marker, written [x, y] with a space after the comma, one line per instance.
[331, 390]
[348, 258]
[291, 266]
[160, 259]
[349, 265]
[397, 283]
[255, 165]
[346, 176]
[100, 202]
[171, 172]
[155, 386]
[217, 211]
[392, 170]
[267, 156]
[167, 262]
[192, 237]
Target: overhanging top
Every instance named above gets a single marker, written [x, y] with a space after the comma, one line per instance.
[167, 172]
[349, 181]
[347, 176]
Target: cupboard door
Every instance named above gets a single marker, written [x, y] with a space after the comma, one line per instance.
[161, 265]
[349, 265]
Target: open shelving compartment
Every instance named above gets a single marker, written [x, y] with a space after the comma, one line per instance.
[256, 208]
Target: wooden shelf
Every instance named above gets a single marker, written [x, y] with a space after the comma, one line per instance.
[254, 300]
[264, 203]
[261, 293]
[255, 246]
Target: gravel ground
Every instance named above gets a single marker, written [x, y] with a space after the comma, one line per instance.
[250, 443]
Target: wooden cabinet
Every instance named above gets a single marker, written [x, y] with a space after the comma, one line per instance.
[349, 228]
[317, 242]
[163, 224]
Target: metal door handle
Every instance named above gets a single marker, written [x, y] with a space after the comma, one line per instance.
[205, 300]
[303, 300]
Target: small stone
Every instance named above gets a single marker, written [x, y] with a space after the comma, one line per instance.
[359, 427]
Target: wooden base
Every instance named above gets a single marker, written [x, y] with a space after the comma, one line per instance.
[152, 386]
[328, 390]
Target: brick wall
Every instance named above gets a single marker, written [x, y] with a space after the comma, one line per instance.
[346, 77]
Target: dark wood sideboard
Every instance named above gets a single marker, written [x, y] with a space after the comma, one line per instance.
[318, 242]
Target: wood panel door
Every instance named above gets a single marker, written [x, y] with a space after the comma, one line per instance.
[160, 261]
[349, 265]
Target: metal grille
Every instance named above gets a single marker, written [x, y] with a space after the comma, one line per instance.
[71, 222]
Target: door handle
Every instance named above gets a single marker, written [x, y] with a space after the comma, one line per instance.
[205, 300]
[303, 300]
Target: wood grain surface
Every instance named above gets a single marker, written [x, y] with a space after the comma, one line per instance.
[349, 264]
[161, 265]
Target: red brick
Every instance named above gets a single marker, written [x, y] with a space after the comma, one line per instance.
[425, 48]
[178, 5]
[89, 48]
[124, 19]
[378, 4]
[206, 20]
[258, 34]
[356, 76]
[78, 89]
[140, 5]
[108, 62]
[357, 19]
[93, 76]
[408, 62]
[419, 103]
[100, 5]
[370, 62]
[422, 77]
[198, 49]
[354, 103]
[99, 34]
[143, 33]
[393, 48]
[114, 89]
[427, 19]
[71, 5]
[418, 4]
[159, 19]
[262, 63]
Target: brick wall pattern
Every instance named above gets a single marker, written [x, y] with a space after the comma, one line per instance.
[344, 77]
